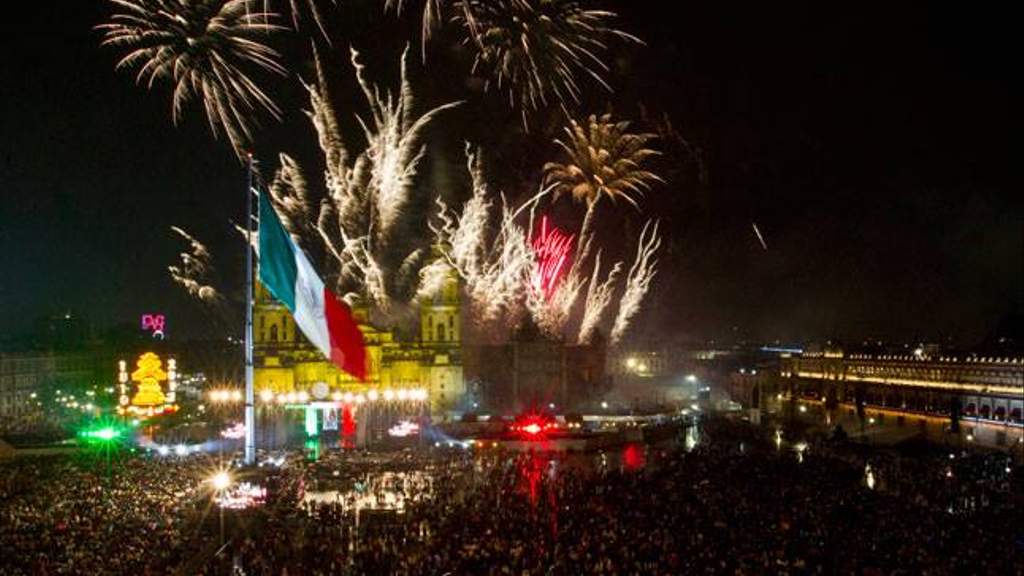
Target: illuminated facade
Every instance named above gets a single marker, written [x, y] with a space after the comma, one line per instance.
[984, 387]
[432, 360]
[26, 378]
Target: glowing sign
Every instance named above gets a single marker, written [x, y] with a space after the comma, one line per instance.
[154, 323]
[149, 374]
[244, 495]
[150, 399]
[235, 432]
[403, 429]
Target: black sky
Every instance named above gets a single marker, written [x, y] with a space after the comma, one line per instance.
[870, 144]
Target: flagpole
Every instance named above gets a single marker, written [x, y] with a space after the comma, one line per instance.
[250, 396]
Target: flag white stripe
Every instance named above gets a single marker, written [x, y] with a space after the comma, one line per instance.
[309, 312]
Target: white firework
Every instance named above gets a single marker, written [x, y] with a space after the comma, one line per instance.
[495, 274]
[207, 49]
[194, 272]
[599, 296]
[362, 222]
[552, 314]
[289, 193]
[433, 17]
[638, 280]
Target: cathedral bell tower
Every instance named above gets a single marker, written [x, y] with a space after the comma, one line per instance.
[441, 345]
[440, 322]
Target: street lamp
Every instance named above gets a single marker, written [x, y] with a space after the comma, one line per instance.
[221, 481]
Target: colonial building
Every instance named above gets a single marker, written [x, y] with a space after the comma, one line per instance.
[29, 380]
[531, 372]
[432, 360]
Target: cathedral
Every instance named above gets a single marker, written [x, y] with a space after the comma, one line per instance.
[284, 361]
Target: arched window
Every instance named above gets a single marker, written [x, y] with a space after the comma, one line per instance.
[441, 336]
[273, 333]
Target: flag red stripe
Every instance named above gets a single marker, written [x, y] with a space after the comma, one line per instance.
[347, 347]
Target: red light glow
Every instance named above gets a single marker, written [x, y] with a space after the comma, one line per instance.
[348, 427]
[633, 457]
[533, 426]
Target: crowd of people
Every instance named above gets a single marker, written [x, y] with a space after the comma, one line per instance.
[736, 502]
[100, 513]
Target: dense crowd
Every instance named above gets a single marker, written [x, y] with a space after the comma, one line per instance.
[735, 503]
[101, 513]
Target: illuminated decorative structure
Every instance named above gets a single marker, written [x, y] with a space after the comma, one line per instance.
[122, 378]
[149, 398]
[148, 374]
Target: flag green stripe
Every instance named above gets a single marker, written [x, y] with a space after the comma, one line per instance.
[277, 258]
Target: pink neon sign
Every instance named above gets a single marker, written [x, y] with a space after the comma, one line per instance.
[154, 323]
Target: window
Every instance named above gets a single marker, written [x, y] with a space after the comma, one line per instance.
[440, 332]
[273, 333]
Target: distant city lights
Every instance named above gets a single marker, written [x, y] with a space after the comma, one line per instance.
[302, 397]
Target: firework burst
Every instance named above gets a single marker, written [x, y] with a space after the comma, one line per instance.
[605, 161]
[638, 280]
[193, 274]
[362, 221]
[551, 249]
[599, 296]
[433, 17]
[535, 51]
[495, 273]
[203, 48]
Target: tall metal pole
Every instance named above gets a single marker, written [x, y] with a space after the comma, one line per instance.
[250, 396]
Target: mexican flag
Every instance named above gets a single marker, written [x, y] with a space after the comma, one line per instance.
[287, 274]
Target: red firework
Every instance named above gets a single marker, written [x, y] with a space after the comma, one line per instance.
[551, 250]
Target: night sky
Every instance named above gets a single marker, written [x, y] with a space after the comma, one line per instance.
[870, 144]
